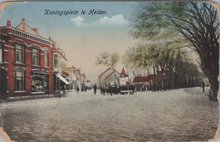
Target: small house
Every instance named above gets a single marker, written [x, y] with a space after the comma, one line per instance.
[109, 77]
[143, 83]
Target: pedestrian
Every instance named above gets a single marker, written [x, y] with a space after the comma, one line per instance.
[64, 89]
[95, 88]
[104, 90]
[101, 90]
[203, 86]
[77, 89]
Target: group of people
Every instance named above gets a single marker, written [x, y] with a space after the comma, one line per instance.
[106, 90]
[94, 88]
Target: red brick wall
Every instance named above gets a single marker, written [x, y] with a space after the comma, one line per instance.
[28, 59]
[9, 58]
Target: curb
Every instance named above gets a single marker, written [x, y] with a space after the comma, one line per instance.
[17, 98]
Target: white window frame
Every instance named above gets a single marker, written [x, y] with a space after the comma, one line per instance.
[35, 55]
[22, 54]
[46, 58]
[22, 80]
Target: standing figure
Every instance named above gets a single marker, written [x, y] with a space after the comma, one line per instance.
[95, 88]
[77, 89]
[203, 86]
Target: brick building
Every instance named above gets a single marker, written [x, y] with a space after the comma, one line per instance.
[61, 81]
[26, 61]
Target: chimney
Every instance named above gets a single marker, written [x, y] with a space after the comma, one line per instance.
[35, 30]
[8, 23]
[23, 24]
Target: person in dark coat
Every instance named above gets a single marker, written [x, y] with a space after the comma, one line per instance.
[77, 89]
[203, 86]
[95, 88]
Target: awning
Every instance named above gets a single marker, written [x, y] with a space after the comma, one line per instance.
[63, 79]
[40, 72]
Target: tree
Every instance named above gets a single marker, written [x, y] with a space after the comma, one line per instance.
[202, 32]
[192, 24]
[108, 59]
[171, 66]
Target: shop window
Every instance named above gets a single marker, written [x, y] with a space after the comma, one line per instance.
[46, 58]
[37, 83]
[19, 53]
[35, 57]
[19, 80]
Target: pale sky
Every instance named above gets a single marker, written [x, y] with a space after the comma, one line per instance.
[82, 37]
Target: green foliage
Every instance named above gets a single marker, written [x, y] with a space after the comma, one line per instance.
[108, 59]
[192, 23]
[152, 21]
[159, 55]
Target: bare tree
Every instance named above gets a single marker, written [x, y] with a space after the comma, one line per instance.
[108, 59]
[192, 24]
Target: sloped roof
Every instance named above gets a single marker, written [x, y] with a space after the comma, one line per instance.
[143, 78]
[104, 72]
[25, 27]
[111, 74]
[109, 71]
[123, 73]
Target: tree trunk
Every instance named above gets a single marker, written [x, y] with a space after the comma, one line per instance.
[217, 135]
[209, 66]
[214, 88]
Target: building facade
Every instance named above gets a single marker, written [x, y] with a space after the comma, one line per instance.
[26, 61]
[61, 77]
[109, 77]
[143, 83]
[124, 79]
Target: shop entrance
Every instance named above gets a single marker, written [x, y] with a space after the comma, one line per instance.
[39, 84]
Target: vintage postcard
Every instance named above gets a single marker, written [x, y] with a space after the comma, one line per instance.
[109, 71]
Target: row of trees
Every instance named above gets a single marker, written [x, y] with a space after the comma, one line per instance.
[169, 65]
[181, 24]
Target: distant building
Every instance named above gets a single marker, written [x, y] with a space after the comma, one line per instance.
[61, 76]
[26, 61]
[76, 78]
[83, 81]
[59, 59]
[69, 72]
[124, 79]
[142, 83]
[77, 73]
[109, 77]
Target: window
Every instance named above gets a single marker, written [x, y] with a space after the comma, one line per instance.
[46, 58]
[37, 83]
[19, 80]
[19, 53]
[1, 53]
[35, 57]
[55, 61]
